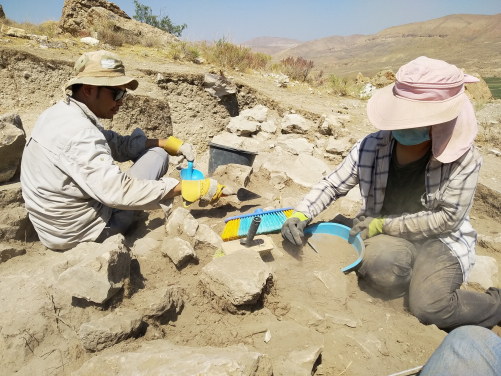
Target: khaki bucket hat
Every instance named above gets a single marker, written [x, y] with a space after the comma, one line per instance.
[101, 68]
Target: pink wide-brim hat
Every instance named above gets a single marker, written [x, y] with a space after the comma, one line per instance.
[428, 92]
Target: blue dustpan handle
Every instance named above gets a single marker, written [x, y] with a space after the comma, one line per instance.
[190, 170]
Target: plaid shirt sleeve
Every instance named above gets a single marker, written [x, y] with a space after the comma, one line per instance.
[448, 207]
[335, 185]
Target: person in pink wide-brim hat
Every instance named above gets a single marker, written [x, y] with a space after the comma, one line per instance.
[417, 177]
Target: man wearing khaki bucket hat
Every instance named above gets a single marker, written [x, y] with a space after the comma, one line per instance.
[73, 190]
[417, 178]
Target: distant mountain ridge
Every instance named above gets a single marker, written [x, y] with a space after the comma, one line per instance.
[271, 45]
[469, 41]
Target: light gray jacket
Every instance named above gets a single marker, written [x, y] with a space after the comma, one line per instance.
[69, 181]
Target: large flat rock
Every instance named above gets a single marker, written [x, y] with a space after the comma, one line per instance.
[161, 357]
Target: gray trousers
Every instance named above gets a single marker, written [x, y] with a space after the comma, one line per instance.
[152, 164]
[432, 275]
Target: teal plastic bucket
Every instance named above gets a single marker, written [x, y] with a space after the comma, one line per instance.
[344, 233]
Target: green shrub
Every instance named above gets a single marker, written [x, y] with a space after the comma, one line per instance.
[296, 68]
[144, 14]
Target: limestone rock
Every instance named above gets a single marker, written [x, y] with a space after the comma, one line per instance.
[109, 330]
[234, 176]
[339, 146]
[9, 251]
[206, 236]
[295, 123]
[485, 272]
[99, 15]
[367, 91]
[90, 41]
[12, 141]
[2, 14]
[478, 91]
[178, 222]
[242, 127]
[161, 357]
[383, 78]
[307, 170]
[155, 303]
[218, 86]
[14, 32]
[277, 178]
[74, 15]
[304, 346]
[268, 126]
[490, 241]
[234, 141]
[101, 274]
[238, 278]
[178, 250]
[331, 125]
[296, 146]
[258, 113]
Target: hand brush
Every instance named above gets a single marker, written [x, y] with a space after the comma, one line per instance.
[271, 221]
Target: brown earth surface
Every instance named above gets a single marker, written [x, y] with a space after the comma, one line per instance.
[363, 332]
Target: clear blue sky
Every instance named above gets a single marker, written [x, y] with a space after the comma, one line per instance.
[305, 20]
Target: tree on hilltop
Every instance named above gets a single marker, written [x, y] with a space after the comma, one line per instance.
[144, 14]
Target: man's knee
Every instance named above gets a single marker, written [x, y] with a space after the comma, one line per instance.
[387, 263]
[163, 157]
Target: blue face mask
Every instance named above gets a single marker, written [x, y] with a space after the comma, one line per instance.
[412, 136]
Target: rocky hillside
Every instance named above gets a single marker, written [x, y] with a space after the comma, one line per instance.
[466, 40]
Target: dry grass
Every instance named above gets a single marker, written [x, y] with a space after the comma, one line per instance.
[47, 28]
[117, 37]
[343, 86]
[183, 50]
[231, 56]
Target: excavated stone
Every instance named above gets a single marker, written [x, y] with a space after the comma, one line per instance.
[490, 241]
[242, 127]
[296, 146]
[269, 127]
[298, 358]
[485, 272]
[154, 303]
[175, 222]
[234, 141]
[258, 113]
[109, 330]
[101, 274]
[205, 236]
[234, 176]
[74, 14]
[238, 278]
[12, 141]
[218, 86]
[339, 146]
[178, 250]
[331, 125]
[304, 170]
[190, 226]
[161, 357]
[295, 123]
[277, 178]
[9, 251]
